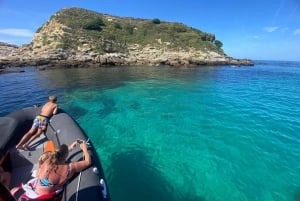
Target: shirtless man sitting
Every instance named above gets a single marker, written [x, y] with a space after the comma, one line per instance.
[39, 124]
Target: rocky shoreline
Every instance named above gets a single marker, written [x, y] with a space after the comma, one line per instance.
[13, 56]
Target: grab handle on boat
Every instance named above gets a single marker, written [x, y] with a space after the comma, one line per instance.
[103, 186]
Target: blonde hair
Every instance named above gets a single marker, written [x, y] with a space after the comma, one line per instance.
[53, 99]
[44, 157]
[58, 156]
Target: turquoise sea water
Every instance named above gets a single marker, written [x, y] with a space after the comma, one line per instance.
[181, 134]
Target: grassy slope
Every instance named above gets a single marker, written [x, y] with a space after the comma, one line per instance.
[114, 34]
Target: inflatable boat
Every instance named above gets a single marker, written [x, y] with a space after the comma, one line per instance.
[62, 129]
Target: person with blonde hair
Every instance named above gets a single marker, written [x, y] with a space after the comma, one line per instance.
[39, 124]
[53, 172]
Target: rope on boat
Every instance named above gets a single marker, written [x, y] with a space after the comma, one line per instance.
[79, 179]
[78, 184]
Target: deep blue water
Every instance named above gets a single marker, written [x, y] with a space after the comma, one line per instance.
[206, 133]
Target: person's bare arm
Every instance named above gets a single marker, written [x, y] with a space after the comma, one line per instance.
[55, 109]
[78, 166]
[73, 145]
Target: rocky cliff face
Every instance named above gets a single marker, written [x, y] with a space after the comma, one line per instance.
[6, 49]
[58, 43]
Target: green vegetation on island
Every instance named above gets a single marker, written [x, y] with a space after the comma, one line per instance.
[108, 33]
[76, 37]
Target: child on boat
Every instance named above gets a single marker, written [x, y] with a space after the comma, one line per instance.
[39, 124]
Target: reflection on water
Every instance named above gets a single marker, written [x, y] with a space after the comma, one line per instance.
[115, 76]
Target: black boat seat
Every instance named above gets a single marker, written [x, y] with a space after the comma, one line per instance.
[5, 195]
[7, 128]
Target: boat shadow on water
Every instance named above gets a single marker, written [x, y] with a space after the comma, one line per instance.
[132, 176]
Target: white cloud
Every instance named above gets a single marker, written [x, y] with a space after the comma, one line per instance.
[17, 32]
[270, 29]
[285, 29]
[255, 37]
[297, 32]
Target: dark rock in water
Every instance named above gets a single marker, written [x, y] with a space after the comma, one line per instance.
[108, 107]
[11, 70]
[77, 111]
[42, 68]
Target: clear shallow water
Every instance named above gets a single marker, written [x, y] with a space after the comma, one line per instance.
[208, 134]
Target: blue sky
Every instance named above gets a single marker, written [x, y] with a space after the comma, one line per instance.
[256, 29]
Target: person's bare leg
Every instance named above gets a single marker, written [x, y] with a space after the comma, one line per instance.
[36, 135]
[25, 137]
[13, 190]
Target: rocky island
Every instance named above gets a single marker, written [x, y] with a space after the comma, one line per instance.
[75, 37]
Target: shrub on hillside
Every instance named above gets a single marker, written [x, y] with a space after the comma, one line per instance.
[95, 24]
[156, 21]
